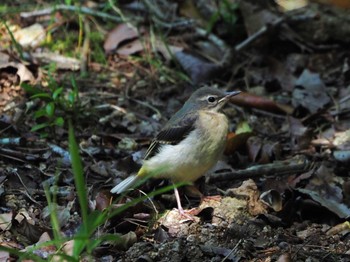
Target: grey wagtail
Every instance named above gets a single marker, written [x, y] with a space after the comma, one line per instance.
[189, 144]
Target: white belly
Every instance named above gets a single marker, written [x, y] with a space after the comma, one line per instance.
[195, 155]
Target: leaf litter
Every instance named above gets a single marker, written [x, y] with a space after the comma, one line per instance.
[293, 69]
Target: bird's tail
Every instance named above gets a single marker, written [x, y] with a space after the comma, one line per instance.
[125, 184]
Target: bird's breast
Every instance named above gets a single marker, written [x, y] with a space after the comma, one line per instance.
[197, 153]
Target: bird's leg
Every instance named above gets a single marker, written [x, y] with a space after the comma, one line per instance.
[179, 206]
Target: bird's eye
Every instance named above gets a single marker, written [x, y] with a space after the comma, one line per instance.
[211, 99]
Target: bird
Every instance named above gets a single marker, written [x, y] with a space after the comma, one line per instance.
[189, 144]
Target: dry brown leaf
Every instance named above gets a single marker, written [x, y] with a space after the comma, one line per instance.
[120, 33]
[250, 190]
[21, 70]
[131, 48]
[262, 103]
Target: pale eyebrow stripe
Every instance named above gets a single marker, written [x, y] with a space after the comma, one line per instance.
[206, 97]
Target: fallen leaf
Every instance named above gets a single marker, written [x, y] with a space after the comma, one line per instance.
[197, 68]
[25, 75]
[253, 101]
[236, 141]
[300, 135]
[250, 190]
[102, 201]
[131, 48]
[120, 33]
[341, 210]
[310, 92]
[5, 221]
[273, 199]
[30, 36]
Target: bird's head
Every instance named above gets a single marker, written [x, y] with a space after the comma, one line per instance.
[209, 98]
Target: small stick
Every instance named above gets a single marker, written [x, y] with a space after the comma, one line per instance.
[79, 9]
[258, 34]
[295, 165]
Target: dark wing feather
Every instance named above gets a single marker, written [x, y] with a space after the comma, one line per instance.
[172, 133]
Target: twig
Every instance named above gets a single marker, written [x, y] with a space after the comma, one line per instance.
[85, 48]
[118, 11]
[17, 155]
[234, 249]
[115, 107]
[295, 165]
[258, 34]
[79, 9]
[152, 203]
[159, 114]
[26, 190]
[89, 11]
[219, 43]
[159, 17]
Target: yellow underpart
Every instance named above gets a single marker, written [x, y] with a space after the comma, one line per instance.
[142, 172]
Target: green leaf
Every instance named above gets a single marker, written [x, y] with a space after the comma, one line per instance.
[32, 90]
[40, 113]
[50, 109]
[80, 185]
[71, 98]
[59, 121]
[41, 96]
[57, 93]
[243, 127]
[39, 126]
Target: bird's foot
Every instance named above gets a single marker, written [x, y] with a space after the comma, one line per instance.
[188, 214]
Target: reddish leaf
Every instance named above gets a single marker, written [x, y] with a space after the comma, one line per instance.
[235, 141]
[253, 101]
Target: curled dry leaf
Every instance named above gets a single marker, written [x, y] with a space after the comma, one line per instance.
[250, 190]
[120, 33]
[131, 48]
[262, 103]
[24, 74]
[136, 46]
[273, 199]
[341, 210]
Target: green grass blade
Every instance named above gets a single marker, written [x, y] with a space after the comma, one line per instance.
[81, 190]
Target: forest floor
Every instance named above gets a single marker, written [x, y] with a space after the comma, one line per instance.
[113, 76]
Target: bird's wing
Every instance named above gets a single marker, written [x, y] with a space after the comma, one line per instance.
[172, 134]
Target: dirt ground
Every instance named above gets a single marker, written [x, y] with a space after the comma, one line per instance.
[281, 191]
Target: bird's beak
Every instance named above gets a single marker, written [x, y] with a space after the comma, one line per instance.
[228, 95]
